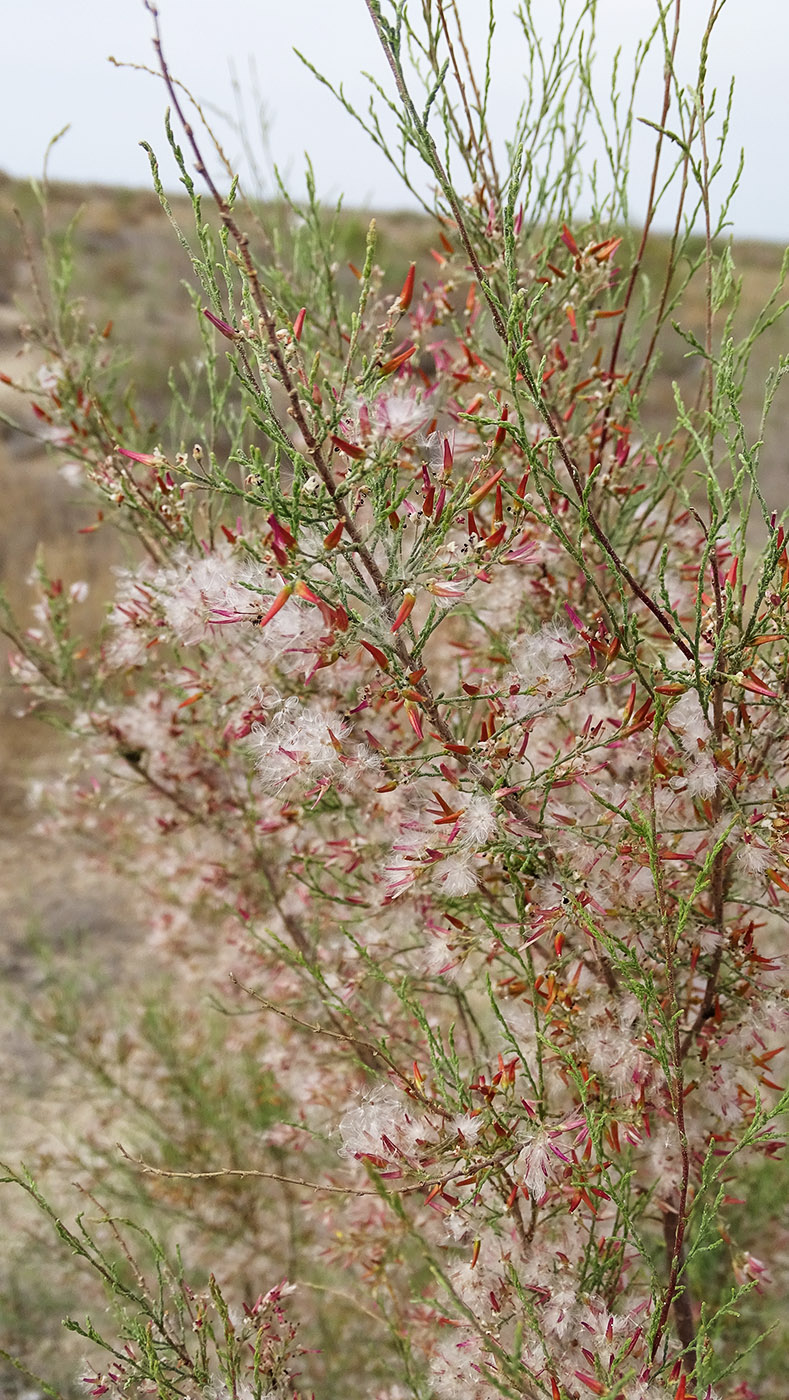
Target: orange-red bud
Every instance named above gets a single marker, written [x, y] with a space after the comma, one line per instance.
[569, 241]
[279, 602]
[408, 288]
[222, 326]
[304, 591]
[405, 610]
[391, 365]
[482, 491]
[377, 655]
[331, 540]
[501, 431]
[414, 717]
[351, 449]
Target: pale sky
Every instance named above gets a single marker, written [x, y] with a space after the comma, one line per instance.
[54, 71]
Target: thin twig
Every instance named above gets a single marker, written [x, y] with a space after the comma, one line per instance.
[514, 351]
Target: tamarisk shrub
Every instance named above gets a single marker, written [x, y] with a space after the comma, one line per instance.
[444, 708]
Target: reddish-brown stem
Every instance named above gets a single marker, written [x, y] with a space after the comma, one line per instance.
[314, 448]
[599, 533]
[431, 151]
[675, 1223]
[650, 214]
[490, 179]
[715, 9]
[718, 891]
[241, 241]
[675, 1238]
[670, 268]
[495, 190]
[718, 874]
[683, 1310]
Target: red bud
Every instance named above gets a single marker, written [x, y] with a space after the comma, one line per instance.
[408, 288]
